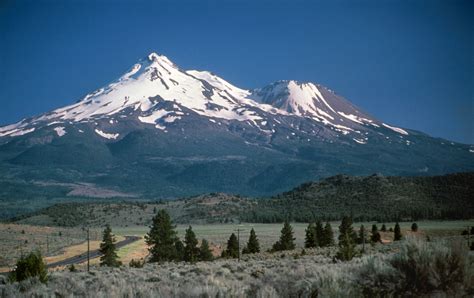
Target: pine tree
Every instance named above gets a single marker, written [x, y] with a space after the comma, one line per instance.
[107, 249]
[286, 241]
[232, 250]
[205, 253]
[346, 248]
[414, 227]
[253, 246]
[191, 251]
[310, 239]
[328, 236]
[397, 234]
[319, 233]
[162, 238]
[375, 237]
[346, 240]
[383, 228]
[362, 237]
[346, 228]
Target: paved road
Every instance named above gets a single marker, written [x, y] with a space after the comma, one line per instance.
[93, 253]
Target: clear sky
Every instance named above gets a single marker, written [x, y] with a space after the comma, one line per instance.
[408, 63]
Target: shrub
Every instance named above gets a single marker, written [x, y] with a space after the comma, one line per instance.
[30, 266]
[136, 263]
[414, 227]
[419, 269]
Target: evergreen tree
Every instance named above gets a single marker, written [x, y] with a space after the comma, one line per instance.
[362, 237]
[375, 237]
[397, 234]
[162, 238]
[107, 249]
[286, 241]
[346, 228]
[253, 246]
[319, 233]
[414, 227]
[383, 228]
[346, 240]
[191, 250]
[328, 236]
[310, 239]
[232, 250]
[205, 253]
[29, 266]
[346, 248]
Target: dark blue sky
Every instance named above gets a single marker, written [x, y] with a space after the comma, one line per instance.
[409, 63]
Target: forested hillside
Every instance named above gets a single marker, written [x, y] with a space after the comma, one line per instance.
[364, 198]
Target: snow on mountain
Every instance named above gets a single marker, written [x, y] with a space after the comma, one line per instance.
[161, 131]
[156, 80]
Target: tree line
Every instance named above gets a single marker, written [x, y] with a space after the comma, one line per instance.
[164, 245]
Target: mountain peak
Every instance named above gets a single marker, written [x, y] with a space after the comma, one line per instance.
[146, 92]
[154, 57]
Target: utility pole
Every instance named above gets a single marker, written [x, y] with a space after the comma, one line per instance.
[21, 248]
[468, 236]
[88, 249]
[363, 241]
[238, 239]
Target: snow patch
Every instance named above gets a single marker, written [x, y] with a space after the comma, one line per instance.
[17, 132]
[60, 131]
[151, 119]
[110, 136]
[171, 119]
[396, 129]
[360, 141]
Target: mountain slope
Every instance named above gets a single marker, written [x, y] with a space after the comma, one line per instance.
[161, 132]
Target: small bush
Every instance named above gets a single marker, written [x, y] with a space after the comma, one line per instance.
[419, 269]
[136, 263]
[30, 266]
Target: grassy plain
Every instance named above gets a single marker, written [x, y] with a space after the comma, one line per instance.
[60, 243]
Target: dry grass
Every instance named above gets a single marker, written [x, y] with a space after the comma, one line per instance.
[17, 239]
[287, 274]
[136, 251]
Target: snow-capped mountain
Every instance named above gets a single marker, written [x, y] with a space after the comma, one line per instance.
[156, 80]
[160, 130]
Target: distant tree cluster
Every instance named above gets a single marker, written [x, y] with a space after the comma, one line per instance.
[319, 236]
[164, 244]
